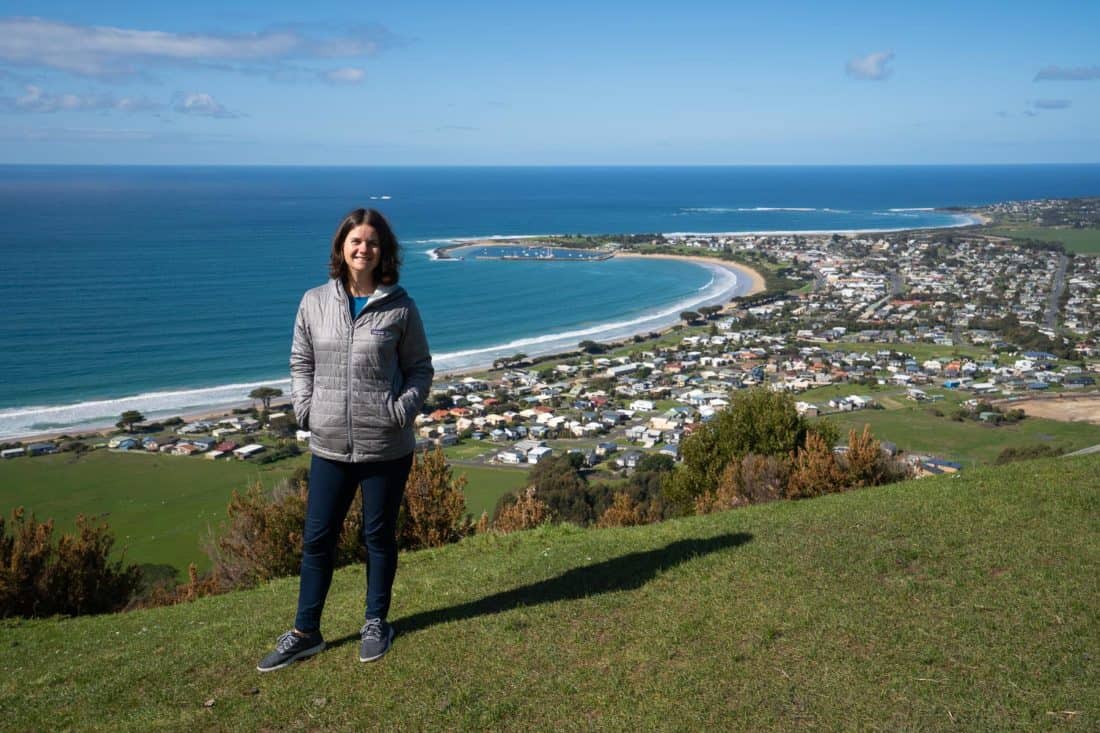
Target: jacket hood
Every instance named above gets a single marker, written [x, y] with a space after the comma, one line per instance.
[382, 292]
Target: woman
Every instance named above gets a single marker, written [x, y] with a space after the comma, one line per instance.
[360, 371]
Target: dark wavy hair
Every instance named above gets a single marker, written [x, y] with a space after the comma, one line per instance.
[389, 265]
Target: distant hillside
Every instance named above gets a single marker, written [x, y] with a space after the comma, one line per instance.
[965, 602]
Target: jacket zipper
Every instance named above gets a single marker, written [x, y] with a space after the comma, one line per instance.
[349, 376]
[350, 381]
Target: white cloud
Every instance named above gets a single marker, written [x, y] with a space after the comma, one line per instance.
[1058, 73]
[108, 51]
[201, 104]
[345, 75]
[871, 67]
[36, 100]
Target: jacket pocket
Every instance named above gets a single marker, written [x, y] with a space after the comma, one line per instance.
[393, 407]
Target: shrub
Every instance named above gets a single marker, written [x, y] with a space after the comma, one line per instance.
[262, 537]
[866, 464]
[753, 479]
[169, 593]
[757, 479]
[526, 512]
[863, 459]
[623, 512]
[1027, 453]
[434, 506]
[74, 577]
[814, 471]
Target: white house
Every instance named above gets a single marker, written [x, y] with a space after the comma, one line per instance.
[247, 451]
[537, 454]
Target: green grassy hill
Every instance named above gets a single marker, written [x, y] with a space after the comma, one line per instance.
[954, 603]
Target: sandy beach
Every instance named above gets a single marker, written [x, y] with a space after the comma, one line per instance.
[754, 277]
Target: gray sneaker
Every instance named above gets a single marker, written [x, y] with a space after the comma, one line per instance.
[377, 636]
[291, 647]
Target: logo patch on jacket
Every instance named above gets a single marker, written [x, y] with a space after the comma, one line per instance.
[378, 332]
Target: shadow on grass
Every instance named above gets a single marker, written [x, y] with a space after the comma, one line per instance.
[626, 572]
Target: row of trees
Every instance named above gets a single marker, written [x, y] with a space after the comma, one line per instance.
[703, 314]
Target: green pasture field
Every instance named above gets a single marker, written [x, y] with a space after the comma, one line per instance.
[486, 484]
[1082, 241]
[159, 507]
[917, 429]
[468, 450]
[954, 603]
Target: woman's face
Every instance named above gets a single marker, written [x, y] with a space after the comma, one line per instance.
[362, 250]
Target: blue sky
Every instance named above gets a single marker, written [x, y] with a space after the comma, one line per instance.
[564, 83]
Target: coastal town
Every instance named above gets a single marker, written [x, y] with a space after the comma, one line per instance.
[984, 324]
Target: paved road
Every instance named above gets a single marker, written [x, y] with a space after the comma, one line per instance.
[897, 283]
[1056, 288]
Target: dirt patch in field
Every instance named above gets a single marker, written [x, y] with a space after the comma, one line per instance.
[1070, 408]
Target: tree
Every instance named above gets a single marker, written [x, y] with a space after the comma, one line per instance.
[265, 395]
[559, 484]
[710, 310]
[689, 317]
[127, 420]
[506, 361]
[655, 462]
[435, 505]
[592, 347]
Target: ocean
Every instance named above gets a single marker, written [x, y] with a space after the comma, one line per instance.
[173, 289]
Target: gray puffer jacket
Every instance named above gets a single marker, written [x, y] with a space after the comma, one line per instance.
[357, 387]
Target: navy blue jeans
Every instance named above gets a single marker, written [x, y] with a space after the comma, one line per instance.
[332, 487]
